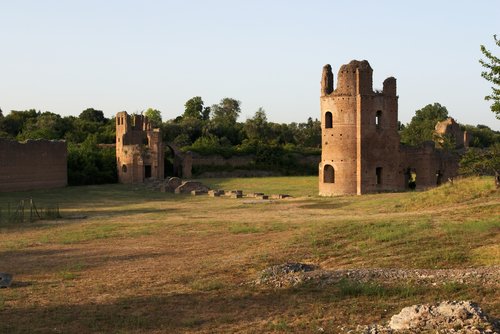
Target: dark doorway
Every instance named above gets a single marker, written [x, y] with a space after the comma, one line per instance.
[147, 171]
[411, 178]
[439, 178]
[169, 162]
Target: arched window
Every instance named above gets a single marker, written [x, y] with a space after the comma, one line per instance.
[378, 118]
[328, 174]
[328, 120]
[124, 168]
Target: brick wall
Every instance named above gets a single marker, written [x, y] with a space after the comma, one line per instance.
[35, 164]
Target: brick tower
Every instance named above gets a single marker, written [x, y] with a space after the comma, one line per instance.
[360, 142]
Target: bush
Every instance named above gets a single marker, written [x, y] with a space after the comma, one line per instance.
[90, 164]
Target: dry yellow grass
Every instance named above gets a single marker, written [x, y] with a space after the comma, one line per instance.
[147, 262]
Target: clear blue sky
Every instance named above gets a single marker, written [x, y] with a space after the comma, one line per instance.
[65, 56]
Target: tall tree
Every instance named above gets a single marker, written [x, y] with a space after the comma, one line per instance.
[193, 108]
[421, 127]
[257, 128]
[92, 115]
[492, 74]
[227, 111]
[223, 122]
[154, 117]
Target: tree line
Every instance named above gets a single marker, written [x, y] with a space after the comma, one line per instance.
[214, 129]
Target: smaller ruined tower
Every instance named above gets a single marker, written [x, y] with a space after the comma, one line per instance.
[139, 149]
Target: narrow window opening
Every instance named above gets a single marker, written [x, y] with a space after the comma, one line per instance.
[328, 120]
[124, 168]
[329, 174]
[378, 172]
[378, 118]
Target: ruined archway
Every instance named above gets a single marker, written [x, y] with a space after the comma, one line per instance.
[176, 162]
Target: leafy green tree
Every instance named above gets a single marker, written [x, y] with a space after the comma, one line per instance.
[227, 111]
[90, 164]
[47, 125]
[478, 161]
[92, 115]
[14, 122]
[257, 128]
[154, 117]
[192, 127]
[223, 123]
[482, 135]
[492, 74]
[422, 125]
[193, 108]
[3, 134]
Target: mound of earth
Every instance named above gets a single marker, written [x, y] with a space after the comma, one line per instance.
[287, 274]
[294, 273]
[447, 317]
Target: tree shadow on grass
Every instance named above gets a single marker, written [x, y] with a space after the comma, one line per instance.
[80, 217]
[48, 261]
[195, 311]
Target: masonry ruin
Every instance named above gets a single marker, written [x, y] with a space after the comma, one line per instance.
[140, 152]
[361, 149]
[34, 164]
[139, 149]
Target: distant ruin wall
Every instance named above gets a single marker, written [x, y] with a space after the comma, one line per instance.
[218, 160]
[35, 164]
[249, 165]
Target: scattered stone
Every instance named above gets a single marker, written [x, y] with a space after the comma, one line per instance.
[279, 196]
[447, 317]
[198, 192]
[173, 183]
[262, 196]
[215, 193]
[188, 186]
[254, 194]
[5, 280]
[285, 274]
[486, 276]
[230, 193]
[235, 195]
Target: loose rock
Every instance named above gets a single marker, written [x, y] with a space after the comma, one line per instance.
[5, 280]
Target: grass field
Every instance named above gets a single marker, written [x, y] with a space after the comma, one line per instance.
[145, 261]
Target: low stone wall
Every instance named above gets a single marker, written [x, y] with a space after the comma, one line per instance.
[35, 164]
[245, 166]
[218, 160]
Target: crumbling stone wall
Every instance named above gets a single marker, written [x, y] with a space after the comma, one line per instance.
[361, 150]
[34, 164]
[450, 128]
[139, 149]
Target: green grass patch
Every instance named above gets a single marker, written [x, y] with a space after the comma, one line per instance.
[242, 228]
[460, 191]
[294, 185]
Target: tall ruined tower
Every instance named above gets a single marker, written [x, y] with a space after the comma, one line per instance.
[139, 149]
[360, 142]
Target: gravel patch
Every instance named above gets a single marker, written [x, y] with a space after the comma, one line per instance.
[292, 274]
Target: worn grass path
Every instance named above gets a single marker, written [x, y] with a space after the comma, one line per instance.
[148, 262]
